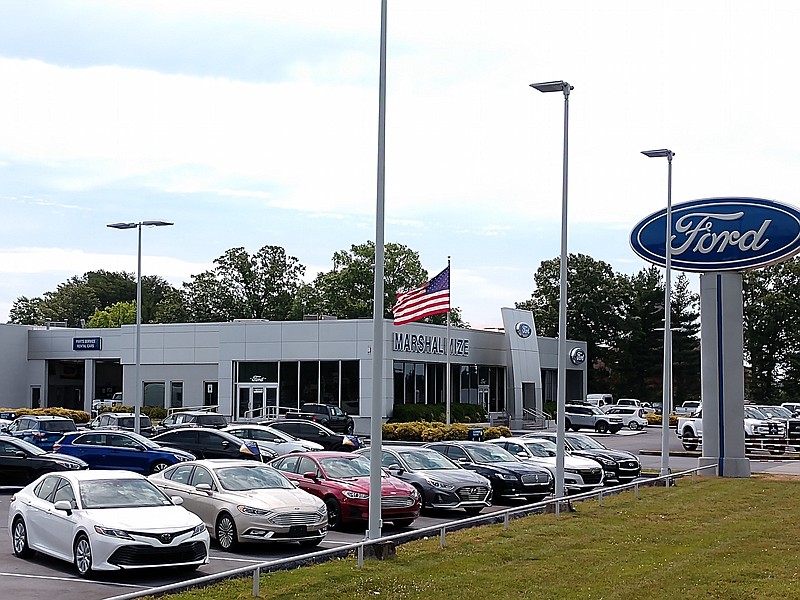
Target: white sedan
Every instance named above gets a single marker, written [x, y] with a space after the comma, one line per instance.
[105, 521]
[271, 439]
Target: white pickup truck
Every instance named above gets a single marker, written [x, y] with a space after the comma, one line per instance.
[760, 432]
[687, 408]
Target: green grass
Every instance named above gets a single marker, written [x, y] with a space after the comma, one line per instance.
[709, 538]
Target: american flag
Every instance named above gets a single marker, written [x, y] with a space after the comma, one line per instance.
[431, 298]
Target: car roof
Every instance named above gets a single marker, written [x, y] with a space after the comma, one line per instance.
[99, 474]
[45, 417]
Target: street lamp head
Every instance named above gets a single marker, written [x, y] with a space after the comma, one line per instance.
[553, 86]
[659, 153]
[156, 223]
[123, 225]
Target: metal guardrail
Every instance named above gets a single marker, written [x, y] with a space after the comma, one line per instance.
[503, 516]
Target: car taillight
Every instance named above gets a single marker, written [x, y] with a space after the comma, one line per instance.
[56, 447]
[39, 434]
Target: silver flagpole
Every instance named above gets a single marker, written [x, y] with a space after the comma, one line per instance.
[447, 345]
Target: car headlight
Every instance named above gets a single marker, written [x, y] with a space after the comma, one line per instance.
[440, 485]
[507, 476]
[115, 533]
[182, 458]
[250, 510]
[606, 462]
[322, 511]
[68, 465]
[576, 471]
[199, 529]
[355, 495]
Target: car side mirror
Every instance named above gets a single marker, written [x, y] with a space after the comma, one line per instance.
[20, 454]
[64, 505]
[311, 475]
[203, 487]
[177, 500]
[395, 470]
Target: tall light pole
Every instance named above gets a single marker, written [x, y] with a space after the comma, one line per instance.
[138, 346]
[666, 403]
[561, 400]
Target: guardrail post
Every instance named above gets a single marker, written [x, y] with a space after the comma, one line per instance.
[442, 535]
[505, 520]
[600, 498]
[360, 554]
[256, 582]
[636, 490]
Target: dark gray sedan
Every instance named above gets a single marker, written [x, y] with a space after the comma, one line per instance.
[440, 482]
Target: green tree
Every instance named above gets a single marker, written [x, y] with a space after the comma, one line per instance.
[116, 315]
[685, 315]
[26, 311]
[72, 302]
[241, 286]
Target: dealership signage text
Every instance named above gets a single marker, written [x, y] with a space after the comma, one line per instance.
[429, 344]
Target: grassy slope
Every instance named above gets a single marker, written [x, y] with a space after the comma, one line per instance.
[712, 538]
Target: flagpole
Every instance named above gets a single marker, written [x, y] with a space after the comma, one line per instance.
[447, 344]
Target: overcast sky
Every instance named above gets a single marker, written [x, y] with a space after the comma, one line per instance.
[255, 123]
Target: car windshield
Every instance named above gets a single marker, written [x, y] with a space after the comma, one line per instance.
[121, 493]
[28, 447]
[150, 444]
[778, 412]
[751, 412]
[426, 460]
[60, 425]
[489, 453]
[256, 477]
[282, 434]
[212, 420]
[596, 411]
[580, 442]
[357, 466]
[128, 422]
[542, 448]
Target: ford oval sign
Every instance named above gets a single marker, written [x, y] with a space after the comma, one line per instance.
[720, 234]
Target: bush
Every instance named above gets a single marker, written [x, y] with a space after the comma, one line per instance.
[79, 416]
[653, 419]
[435, 431]
[459, 413]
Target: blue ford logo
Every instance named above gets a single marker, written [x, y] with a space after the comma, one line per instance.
[720, 234]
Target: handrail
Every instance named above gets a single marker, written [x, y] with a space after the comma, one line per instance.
[537, 414]
[204, 408]
[495, 517]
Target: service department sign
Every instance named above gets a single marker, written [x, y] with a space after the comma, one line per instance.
[720, 234]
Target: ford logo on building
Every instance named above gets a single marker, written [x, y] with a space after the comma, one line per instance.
[720, 234]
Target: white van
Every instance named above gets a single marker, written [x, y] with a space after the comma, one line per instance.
[599, 400]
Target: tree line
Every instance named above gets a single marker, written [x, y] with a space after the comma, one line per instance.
[621, 317]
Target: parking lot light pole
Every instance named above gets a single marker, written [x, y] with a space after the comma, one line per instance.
[666, 404]
[565, 88]
[138, 346]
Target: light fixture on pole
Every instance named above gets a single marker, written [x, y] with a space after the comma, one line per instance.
[561, 399]
[666, 404]
[138, 346]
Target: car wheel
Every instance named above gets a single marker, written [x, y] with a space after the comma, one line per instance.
[159, 466]
[423, 505]
[634, 425]
[350, 428]
[567, 424]
[688, 445]
[601, 427]
[19, 538]
[473, 510]
[402, 522]
[334, 513]
[225, 532]
[82, 552]
[311, 543]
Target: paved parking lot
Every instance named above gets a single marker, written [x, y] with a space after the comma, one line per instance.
[42, 577]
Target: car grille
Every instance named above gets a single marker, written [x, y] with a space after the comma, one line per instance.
[591, 475]
[299, 518]
[397, 501]
[472, 493]
[165, 537]
[535, 478]
[141, 556]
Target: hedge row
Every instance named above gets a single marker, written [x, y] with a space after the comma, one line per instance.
[156, 413]
[79, 416]
[426, 431]
[459, 413]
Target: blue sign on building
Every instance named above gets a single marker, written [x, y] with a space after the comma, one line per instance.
[720, 234]
[87, 343]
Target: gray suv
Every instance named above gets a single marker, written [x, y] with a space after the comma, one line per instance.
[583, 416]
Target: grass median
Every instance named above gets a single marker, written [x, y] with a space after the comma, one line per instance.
[709, 538]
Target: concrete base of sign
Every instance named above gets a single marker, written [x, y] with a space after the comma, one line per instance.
[729, 467]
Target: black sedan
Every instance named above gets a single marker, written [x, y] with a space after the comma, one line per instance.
[619, 466]
[441, 483]
[511, 478]
[314, 432]
[21, 462]
[204, 442]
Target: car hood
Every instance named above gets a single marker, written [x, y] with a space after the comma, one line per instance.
[62, 457]
[145, 519]
[178, 452]
[389, 485]
[519, 468]
[616, 455]
[275, 498]
[453, 476]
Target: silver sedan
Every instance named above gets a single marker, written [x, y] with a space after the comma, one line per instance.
[245, 501]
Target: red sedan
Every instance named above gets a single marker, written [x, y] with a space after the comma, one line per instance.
[341, 480]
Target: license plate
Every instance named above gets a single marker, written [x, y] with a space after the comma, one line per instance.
[298, 530]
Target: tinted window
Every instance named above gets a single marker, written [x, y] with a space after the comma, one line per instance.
[91, 439]
[212, 420]
[183, 436]
[307, 465]
[58, 426]
[180, 474]
[46, 487]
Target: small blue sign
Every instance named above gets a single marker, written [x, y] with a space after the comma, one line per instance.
[720, 234]
[87, 343]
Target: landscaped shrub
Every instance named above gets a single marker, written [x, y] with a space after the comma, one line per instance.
[79, 416]
[459, 413]
[436, 432]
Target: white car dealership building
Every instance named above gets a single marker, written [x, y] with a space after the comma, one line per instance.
[244, 366]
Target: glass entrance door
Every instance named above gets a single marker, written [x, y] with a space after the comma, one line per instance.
[257, 401]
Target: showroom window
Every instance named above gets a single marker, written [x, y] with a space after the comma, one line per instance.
[154, 393]
[176, 394]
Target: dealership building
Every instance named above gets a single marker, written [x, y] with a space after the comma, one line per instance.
[249, 368]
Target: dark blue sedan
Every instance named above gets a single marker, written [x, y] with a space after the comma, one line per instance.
[111, 449]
